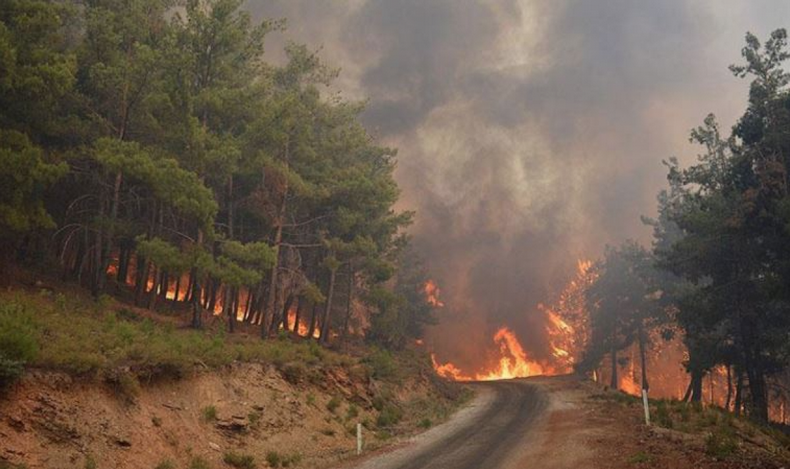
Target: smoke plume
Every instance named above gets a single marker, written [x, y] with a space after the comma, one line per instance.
[531, 133]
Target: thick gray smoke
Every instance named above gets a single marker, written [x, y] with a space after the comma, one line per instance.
[531, 133]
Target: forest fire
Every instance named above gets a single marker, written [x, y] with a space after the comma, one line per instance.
[513, 362]
[565, 329]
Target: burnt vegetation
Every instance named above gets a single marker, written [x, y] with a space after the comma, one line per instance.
[717, 273]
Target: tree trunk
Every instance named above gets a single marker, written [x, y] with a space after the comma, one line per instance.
[177, 290]
[298, 316]
[282, 318]
[327, 308]
[738, 391]
[729, 388]
[687, 395]
[248, 305]
[614, 383]
[212, 302]
[268, 311]
[142, 280]
[110, 232]
[152, 294]
[758, 404]
[696, 386]
[197, 307]
[350, 292]
[230, 308]
[123, 264]
[165, 283]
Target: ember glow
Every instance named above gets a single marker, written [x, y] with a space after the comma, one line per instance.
[432, 294]
[303, 328]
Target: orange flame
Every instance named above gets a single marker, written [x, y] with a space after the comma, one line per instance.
[566, 329]
[432, 294]
[302, 329]
[513, 362]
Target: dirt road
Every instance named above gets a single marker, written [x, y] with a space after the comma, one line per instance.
[491, 433]
[566, 422]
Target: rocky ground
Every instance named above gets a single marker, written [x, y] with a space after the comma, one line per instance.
[50, 420]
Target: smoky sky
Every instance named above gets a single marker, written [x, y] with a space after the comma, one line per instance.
[530, 133]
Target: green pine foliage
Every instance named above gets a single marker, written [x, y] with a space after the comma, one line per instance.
[142, 144]
[720, 261]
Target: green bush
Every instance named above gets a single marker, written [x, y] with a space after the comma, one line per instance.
[721, 443]
[18, 333]
[333, 404]
[254, 418]
[663, 416]
[294, 372]
[198, 463]
[166, 464]
[382, 364]
[10, 371]
[352, 412]
[275, 459]
[243, 461]
[389, 416]
[208, 413]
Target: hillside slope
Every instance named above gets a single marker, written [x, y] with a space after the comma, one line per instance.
[106, 388]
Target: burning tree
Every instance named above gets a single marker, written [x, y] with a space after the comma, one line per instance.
[623, 308]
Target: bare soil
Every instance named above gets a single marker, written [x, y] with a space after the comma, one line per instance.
[587, 426]
[568, 423]
[51, 420]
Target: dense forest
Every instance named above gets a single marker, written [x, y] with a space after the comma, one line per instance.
[149, 151]
[718, 270]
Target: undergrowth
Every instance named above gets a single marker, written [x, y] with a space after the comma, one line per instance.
[85, 337]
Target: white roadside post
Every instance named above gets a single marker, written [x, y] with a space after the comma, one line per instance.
[647, 408]
[359, 438]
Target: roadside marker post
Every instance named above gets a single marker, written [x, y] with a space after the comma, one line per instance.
[359, 439]
[647, 407]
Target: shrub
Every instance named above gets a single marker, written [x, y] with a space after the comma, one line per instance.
[166, 464]
[640, 458]
[382, 364]
[333, 404]
[10, 371]
[663, 416]
[294, 372]
[292, 460]
[721, 443]
[273, 458]
[425, 423]
[18, 335]
[127, 385]
[198, 463]
[254, 418]
[209, 413]
[276, 459]
[244, 461]
[389, 416]
[352, 412]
